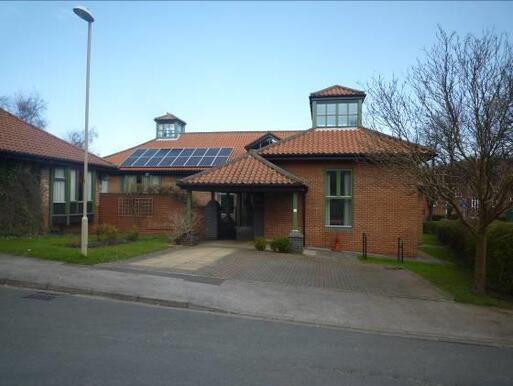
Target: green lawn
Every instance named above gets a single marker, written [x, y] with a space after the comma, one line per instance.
[56, 247]
[449, 277]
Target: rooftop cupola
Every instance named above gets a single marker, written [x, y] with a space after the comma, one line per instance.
[169, 126]
[336, 107]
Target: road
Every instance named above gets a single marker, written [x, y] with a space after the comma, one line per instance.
[75, 340]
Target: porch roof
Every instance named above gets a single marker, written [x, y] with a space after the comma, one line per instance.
[250, 172]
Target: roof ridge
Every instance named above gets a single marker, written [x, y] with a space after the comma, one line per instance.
[54, 136]
[281, 141]
[337, 85]
[130, 148]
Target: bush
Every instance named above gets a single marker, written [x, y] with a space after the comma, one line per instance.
[280, 244]
[499, 262]
[500, 257]
[260, 243]
[132, 234]
[107, 233]
[20, 199]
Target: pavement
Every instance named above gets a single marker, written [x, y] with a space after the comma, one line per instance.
[353, 306]
[218, 261]
[63, 339]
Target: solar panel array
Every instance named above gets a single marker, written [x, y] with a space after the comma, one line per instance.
[171, 158]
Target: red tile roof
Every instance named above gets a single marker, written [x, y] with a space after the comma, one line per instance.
[168, 117]
[337, 142]
[338, 91]
[248, 170]
[19, 137]
[233, 139]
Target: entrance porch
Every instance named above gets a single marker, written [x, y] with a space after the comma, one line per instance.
[250, 197]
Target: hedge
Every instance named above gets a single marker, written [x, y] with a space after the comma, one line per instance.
[499, 266]
[20, 199]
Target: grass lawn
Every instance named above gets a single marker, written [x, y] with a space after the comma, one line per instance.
[56, 247]
[450, 277]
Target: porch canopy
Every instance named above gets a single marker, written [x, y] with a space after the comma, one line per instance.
[249, 173]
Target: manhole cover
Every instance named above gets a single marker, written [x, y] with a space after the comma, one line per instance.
[41, 296]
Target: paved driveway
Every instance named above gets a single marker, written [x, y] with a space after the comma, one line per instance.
[215, 262]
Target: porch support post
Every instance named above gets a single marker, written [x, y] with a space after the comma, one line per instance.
[296, 238]
[189, 207]
[294, 212]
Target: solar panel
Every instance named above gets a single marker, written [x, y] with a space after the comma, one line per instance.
[133, 157]
[178, 157]
[212, 152]
[220, 161]
[145, 157]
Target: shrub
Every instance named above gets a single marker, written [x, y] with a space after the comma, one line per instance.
[107, 233]
[280, 244]
[500, 257]
[20, 199]
[260, 243]
[132, 234]
[429, 227]
[499, 262]
[183, 232]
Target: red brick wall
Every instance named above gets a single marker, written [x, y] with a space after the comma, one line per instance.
[384, 208]
[278, 214]
[164, 206]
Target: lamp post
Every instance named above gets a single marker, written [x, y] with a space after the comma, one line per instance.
[86, 15]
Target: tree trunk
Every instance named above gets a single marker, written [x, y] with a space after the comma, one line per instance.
[430, 210]
[480, 263]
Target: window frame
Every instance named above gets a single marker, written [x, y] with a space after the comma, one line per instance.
[337, 115]
[328, 197]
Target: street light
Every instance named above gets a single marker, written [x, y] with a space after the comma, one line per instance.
[86, 15]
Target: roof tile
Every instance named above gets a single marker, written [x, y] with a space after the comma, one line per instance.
[350, 141]
[338, 91]
[250, 170]
[233, 139]
[18, 136]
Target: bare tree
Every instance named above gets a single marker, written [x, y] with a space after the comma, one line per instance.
[28, 107]
[76, 137]
[458, 101]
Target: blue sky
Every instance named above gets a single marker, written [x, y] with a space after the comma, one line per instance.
[218, 66]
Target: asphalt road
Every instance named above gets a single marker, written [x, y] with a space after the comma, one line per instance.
[73, 340]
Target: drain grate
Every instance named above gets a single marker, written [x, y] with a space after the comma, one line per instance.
[41, 296]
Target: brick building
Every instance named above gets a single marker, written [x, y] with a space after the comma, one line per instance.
[314, 185]
[57, 166]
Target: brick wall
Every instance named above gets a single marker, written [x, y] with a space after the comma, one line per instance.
[164, 206]
[384, 208]
[278, 214]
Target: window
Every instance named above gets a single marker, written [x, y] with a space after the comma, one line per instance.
[104, 184]
[59, 184]
[166, 130]
[343, 114]
[73, 185]
[139, 182]
[154, 180]
[226, 200]
[339, 198]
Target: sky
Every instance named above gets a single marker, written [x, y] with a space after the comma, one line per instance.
[217, 66]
